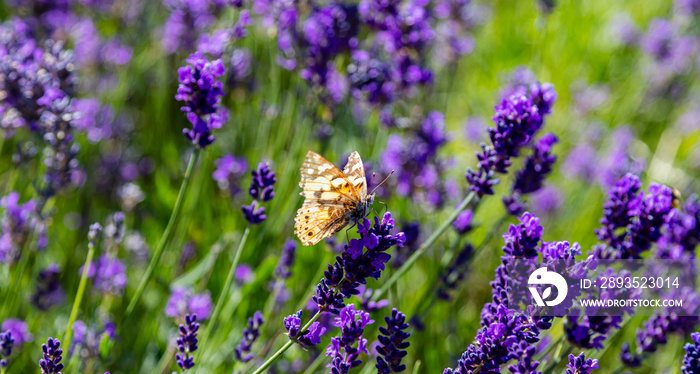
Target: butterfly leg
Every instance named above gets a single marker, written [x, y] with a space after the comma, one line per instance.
[386, 207]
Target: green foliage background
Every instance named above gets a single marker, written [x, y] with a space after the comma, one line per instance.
[273, 122]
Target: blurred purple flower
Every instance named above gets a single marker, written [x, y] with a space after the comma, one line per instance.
[618, 160]
[250, 335]
[475, 128]
[109, 274]
[19, 330]
[546, 201]
[184, 301]
[187, 20]
[17, 223]
[49, 291]
[624, 28]
[688, 122]
[229, 171]
[244, 274]
[415, 160]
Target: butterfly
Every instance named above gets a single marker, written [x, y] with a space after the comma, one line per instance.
[332, 199]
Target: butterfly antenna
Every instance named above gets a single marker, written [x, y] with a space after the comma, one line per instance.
[371, 181]
[387, 177]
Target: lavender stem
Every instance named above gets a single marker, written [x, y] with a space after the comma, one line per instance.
[227, 287]
[423, 247]
[166, 234]
[286, 346]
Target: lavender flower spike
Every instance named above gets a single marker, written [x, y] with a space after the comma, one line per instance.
[392, 344]
[201, 93]
[261, 189]
[517, 119]
[6, 343]
[342, 350]
[691, 361]
[308, 338]
[187, 342]
[581, 365]
[250, 335]
[53, 354]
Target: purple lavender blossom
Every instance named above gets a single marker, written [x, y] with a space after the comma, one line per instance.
[244, 274]
[183, 301]
[201, 93]
[49, 291]
[371, 79]
[581, 162]
[641, 214]
[392, 348]
[624, 28]
[109, 274]
[508, 334]
[250, 335]
[546, 201]
[216, 43]
[308, 338]
[17, 224]
[53, 354]
[475, 128]
[418, 167]
[580, 365]
[261, 190]
[404, 31]
[187, 342]
[6, 344]
[342, 350]
[618, 161]
[517, 119]
[20, 331]
[89, 338]
[691, 360]
[531, 177]
[287, 258]
[355, 265]
[688, 7]
[229, 172]
[187, 20]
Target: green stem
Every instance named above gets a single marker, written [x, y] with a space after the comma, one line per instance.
[286, 346]
[227, 287]
[78, 297]
[423, 247]
[166, 234]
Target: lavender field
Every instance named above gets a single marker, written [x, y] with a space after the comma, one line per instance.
[160, 211]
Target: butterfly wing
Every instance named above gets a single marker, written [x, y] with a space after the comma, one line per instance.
[355, 172]
[329, 198]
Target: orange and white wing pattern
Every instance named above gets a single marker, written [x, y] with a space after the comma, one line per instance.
[355, 172]
[329, 198]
